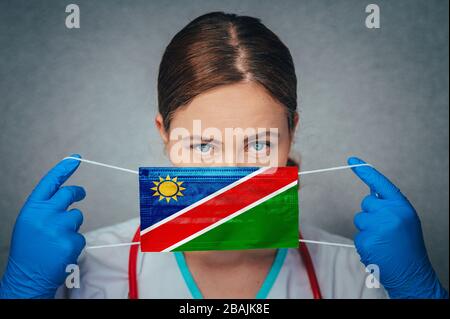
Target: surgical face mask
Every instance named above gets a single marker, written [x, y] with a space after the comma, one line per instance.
[218, 208]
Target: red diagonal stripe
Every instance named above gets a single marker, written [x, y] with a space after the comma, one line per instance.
[217, 208]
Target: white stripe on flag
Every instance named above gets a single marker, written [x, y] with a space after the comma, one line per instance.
[223, 220]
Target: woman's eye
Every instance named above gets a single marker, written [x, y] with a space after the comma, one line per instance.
[259, 146]
[203, 147]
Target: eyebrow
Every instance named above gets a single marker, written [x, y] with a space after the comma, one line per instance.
[202, 138]
[259, 135]
[268, 134]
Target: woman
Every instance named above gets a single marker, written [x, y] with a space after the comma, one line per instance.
[227, 71]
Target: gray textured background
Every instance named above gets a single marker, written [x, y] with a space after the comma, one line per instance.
[379, 94]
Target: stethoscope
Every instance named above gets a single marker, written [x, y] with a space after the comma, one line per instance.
[134, 251]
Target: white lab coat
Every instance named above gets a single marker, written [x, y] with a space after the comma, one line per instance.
[104, 272]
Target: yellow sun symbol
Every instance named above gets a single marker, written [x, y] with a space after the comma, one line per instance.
[168, 188]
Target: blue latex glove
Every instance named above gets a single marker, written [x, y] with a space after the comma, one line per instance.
[390, 236]
[45, 237]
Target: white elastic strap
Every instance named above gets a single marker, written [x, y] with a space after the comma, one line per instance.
[300, 173]
[300, 240]
[136, 172]
[333, 169]
[102, 164]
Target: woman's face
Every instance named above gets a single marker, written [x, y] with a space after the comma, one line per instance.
[232, 125]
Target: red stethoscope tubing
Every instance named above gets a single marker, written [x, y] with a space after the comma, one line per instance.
[133, 257]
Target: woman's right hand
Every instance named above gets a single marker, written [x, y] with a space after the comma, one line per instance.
[45, 238]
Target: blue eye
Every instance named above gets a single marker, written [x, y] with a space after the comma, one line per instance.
[204, 147]
[258, 146]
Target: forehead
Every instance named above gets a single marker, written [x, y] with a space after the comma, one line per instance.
[243, 105]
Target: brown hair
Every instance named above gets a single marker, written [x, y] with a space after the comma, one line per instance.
[217, 49]
[220, 48]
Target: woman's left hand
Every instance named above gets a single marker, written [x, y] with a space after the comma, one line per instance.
[390, 236]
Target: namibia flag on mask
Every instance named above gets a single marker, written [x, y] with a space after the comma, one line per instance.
[218, 208]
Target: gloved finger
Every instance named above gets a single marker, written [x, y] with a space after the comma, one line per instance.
[78, 243]
[360, 241]
[375, 194]
[370, 203]
[66, 196]
[70, 220]
[50, 183]
[363, 220]
[376, 181]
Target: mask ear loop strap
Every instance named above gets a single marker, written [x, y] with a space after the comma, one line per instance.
[102, 164]
[137, 173]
